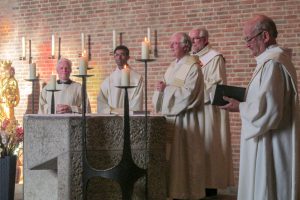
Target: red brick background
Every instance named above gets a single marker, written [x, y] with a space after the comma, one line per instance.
[38, 19]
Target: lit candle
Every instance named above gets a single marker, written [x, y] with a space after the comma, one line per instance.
[125, 78]
[148, 34]
[114, 40]
[52, 45]
[145, 49]
[83, 64]
[23, 47]
[82, 43]
[32, 71]
[52, 83]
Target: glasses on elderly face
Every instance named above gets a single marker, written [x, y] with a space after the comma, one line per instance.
[249, 39]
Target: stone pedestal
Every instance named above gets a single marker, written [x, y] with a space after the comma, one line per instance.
[52, 156]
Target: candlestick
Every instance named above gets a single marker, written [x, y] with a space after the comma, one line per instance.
[155, 44]
[145, 49]
[148, 34]
[52, 83]
[32, 71]
[114, 40]
[125, 78]
[82, 43]
[52, 45]
[23, 48]
[83, 64]
[89, 47]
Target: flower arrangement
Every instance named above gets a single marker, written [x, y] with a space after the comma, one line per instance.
[12, 135]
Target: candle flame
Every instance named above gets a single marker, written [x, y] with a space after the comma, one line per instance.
[83, 53]
[125, 66]
[146, 39]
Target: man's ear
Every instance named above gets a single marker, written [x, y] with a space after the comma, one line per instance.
[266, 36]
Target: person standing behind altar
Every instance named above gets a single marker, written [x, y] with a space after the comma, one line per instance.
[69, 98]
[111, 98]
[180, 97]
[269, 155]
[219, 168]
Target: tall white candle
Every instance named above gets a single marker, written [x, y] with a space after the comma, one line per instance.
[83, 64]
[32, 71]
[145, 49]
[23, 47]
[52, 45]
[149, 34]
[82, 43]
[125, 78]
[52, 83]
[114, 40]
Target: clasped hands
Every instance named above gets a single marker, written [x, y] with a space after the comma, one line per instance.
[161, 85]
[62, 108]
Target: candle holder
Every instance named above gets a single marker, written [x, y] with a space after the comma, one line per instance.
[22, 58]
[52, 100]
[155, 44]
[32, 95]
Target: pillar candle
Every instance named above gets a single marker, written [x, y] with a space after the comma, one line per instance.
[52, 83]
[82, 43]
[114, 40]
[23, 47]
[52, 45]
[125, 78]
[83, 64]
[32, 71]
[145, 49]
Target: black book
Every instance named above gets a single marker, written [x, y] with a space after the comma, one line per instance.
[217, 93]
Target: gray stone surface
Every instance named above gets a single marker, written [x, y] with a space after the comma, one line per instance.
[52, 156]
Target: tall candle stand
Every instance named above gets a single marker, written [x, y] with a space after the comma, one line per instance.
[32, 95]
[126, 173]
[52, 100]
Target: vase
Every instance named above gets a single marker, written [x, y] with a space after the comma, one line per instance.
[7, 177]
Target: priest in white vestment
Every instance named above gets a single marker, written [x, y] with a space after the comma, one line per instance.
[180, 98]
[69, 97]
[219, 169]
[269, 155]
[111, 98]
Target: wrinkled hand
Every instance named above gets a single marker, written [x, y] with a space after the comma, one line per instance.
[61, 109]
[232, 106]
[161, 86]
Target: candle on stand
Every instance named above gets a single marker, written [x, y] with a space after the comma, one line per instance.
[83, 64]
[52, 83]
[32, 71]
[52, 45]
[23, 47]
[114, 40]
[82, 43]
[145, 49]
[125, 78]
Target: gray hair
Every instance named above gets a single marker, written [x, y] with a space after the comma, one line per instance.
[186, 41]
[266, 24]
[64, 60]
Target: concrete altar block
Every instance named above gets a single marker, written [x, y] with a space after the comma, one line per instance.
[53, 150]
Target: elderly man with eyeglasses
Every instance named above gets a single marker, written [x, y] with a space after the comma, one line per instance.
[111, 98]
[269, 155]
[180, 98]
[218, 156]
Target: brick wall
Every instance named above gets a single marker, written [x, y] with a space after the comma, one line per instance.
[38, 19]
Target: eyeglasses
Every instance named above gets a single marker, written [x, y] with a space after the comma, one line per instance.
[197, 38]
[247, 39]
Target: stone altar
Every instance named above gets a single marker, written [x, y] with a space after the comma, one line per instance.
[52, 156]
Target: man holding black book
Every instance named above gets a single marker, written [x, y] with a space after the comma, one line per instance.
[269, 155]
[219, 170]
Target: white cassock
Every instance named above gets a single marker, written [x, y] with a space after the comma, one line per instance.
[182, 104]
[68, 94]
[219, 169]
[269, 156]
[111, 98]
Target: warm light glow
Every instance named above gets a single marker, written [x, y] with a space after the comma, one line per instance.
[148, 34]
[125, 66]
